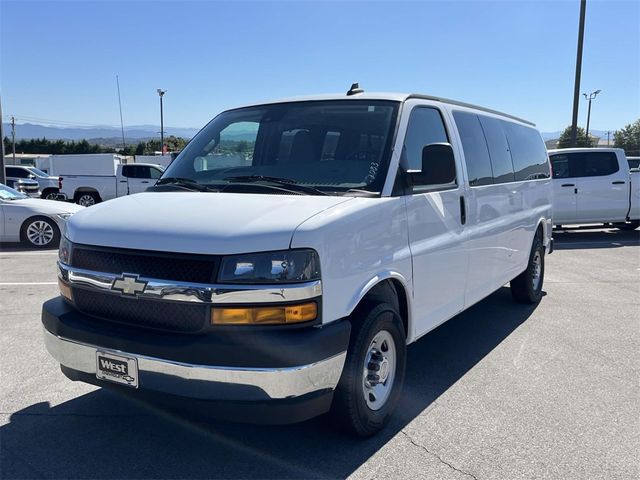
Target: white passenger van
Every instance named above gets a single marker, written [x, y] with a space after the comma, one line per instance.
[293, 249]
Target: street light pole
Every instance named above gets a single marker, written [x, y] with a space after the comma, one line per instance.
[590, 97]
[161, 94]
[576, 86]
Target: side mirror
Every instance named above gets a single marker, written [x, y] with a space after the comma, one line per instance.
[438, 166]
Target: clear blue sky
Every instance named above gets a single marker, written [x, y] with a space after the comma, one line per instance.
[59, 58]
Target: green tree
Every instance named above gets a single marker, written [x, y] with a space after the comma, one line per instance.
[581, 138]
[628, 138]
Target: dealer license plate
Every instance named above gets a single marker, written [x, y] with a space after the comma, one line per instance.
[117, 369]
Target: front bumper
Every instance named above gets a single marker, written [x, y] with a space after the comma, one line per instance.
[230, 365]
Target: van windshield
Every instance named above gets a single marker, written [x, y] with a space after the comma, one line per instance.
[327, 146]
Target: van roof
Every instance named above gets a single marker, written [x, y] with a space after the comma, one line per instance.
[398, 97]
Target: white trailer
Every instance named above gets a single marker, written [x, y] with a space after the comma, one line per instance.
[82, 164]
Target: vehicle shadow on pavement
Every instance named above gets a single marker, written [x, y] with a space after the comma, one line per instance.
[106, 435]
[586, 239]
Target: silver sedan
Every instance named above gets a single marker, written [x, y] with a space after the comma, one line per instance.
[36, 222]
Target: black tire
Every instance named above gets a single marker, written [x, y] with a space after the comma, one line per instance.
[84, 198]
[50, 194]
[628, 226]
[349, 408]
[50, 237]
[523, 288]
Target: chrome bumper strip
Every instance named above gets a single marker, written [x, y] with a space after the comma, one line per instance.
[208, 382]
[156, 289]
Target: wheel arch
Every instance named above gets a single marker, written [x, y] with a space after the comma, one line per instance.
[390, 287]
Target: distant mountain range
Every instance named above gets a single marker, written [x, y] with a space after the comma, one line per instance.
[134, 133]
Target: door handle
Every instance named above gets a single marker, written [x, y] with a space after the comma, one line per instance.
[619, 182]
[123, 181]
[463, 211]
[568, 185]
[145, 181]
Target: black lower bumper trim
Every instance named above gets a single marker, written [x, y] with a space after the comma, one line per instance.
[240, 347]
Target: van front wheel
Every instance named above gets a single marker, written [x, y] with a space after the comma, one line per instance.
[373, 373]
[527, 287]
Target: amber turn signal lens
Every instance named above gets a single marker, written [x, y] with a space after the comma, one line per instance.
[65, 290]
[278, 315]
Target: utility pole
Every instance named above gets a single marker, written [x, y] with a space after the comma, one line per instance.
[590, 97]
[13, 138]
[161, 94]
[576, 87]
[3, 178]
[609, 132]
[124, 146]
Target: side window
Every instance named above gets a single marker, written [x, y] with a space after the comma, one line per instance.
[16, 172]
[560, 166]
[528, 152]
[594, 164]
[501, 163]
[425, 127]
[126, 171]
[474, 145]
[154, 173]
[233, 148]
[140, 171]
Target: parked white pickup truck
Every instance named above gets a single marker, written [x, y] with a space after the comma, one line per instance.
[87, 190]
[595, 186]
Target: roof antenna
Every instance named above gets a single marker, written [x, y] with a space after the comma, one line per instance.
[355, 88]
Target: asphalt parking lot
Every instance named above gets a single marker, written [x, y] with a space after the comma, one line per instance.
[501, 391]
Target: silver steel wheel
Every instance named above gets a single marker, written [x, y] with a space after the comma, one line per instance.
[40, 233]
[537, 270]
[86, 200]
[51, 196]
[379, 370]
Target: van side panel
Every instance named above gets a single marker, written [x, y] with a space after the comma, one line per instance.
[503, 216]
[359, 242]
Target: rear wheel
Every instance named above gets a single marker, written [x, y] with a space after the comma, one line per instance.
[527, 287]
[373, 373]
[40, 232]
[87, 199]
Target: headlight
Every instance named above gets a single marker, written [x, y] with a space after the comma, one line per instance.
[64, 251]
[287, 266]
[63, 216]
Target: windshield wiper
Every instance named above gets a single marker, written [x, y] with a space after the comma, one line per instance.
[362, 193]
[184, 183]
[289, 184]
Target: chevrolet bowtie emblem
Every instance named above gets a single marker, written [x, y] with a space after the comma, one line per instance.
[128, 285]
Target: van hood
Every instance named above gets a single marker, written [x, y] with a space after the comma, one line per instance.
[197, 222]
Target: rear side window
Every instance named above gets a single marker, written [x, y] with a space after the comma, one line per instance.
[474, 145]
[528, 152]
[501, 163]
[584, 164]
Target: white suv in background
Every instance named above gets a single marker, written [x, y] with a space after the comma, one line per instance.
[293, 249]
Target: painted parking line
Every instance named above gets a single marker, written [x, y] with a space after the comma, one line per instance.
[17, 284]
